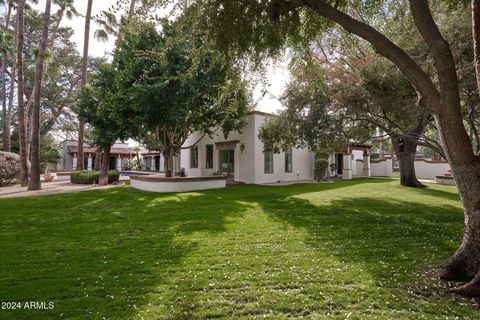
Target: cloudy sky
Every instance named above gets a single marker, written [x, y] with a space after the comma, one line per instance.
[277, 76]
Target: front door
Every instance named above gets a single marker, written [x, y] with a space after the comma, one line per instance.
[112, 163]
[339, 164]
[227, 163]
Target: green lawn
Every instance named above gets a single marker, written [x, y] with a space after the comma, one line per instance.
[360, 249]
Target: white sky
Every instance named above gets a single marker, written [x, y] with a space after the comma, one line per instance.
[277, 76]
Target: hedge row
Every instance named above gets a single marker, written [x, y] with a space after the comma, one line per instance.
[90, 177]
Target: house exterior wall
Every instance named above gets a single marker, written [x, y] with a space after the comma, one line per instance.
[66, 160]
[248, 156]
[302, 163]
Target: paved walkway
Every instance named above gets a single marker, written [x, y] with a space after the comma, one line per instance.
[395, 178]
[56, 187]
[287, 183]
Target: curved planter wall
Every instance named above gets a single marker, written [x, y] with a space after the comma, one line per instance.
[155, 183]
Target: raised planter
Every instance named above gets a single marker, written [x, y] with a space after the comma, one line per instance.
[63, 176]
[447, 180]
[157, 183]
[125, 175]
[48, 177]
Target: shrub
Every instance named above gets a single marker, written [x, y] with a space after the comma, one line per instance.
[321, 165]
[181, 173]
[84, 177]
[90, 177]
[9, 167]
[113, 176]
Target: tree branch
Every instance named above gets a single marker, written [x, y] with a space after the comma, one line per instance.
[429, 96]
[442, 55]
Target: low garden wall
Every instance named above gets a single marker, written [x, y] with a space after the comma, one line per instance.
[62, 176]
[156, 183]
[381, 168]
[425, 169]
[447, 180]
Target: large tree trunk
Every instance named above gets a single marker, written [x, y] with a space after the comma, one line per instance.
[34, 183]
[32, 94]
[98, 161]
[168, 156]
[21, 109]
[405, 149]
[81, 125]
[443, 100]
[103, 178]
[5, 122]
[464, 265]
[50, 43]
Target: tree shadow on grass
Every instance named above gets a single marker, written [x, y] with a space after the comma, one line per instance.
[113, 253]
[443, 192]
[396, 242]
[387, 240]
[380, 234]
[101, 254]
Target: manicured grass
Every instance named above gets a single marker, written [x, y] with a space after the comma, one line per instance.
[358, 249]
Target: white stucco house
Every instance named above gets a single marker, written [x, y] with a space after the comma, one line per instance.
[241, 157]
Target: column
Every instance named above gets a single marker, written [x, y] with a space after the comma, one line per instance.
[74, 165]
[89, 162]
[367, 172]
[119, 163]
[347, 166]
[389, 167]
[236, 164]
[216, 159]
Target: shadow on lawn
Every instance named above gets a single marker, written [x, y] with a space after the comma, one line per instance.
[102, 253]
[108, 263]
[381, 235]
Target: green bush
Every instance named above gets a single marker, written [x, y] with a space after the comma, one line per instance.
[90, 177]
[113, 176]
[84, 177]
[321, 166]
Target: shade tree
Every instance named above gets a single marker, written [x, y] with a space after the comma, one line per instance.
[176, 85]
[262, 27]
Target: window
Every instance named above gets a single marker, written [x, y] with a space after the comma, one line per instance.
[209, 156]
[288, 160]
[268, 162]
[194, 157]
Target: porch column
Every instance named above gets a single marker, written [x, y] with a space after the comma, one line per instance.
[236, 164]
[89, 162]
[74, 165]
[367, 172]
[347, 166]
[216, 158]
[119, 162]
